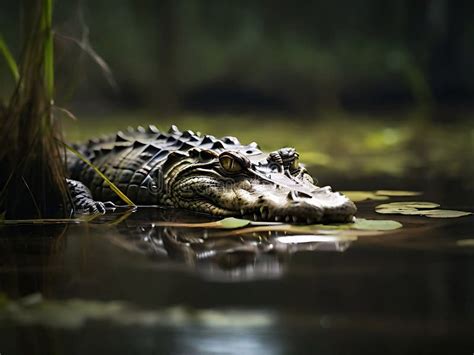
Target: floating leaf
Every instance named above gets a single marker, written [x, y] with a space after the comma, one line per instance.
[427, 213]
[408, 205]
[334, 226]
[397, 210]
[339, 232]
[359, 224]
[226, 223]
[465, 243]
[445, 213]
[397, 193]
[376, 224]
[233, 223]
[418, 209]
[358, 196]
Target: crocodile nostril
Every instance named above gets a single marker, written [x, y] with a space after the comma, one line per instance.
[294, 195]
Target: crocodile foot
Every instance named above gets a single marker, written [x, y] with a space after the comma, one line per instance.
[83, 201]
[91, 206]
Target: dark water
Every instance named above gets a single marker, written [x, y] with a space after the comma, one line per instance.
[144, 288]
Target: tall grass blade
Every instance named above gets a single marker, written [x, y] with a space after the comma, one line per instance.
[85, 45]
[47, 19]
[106, 179]
[9, 59]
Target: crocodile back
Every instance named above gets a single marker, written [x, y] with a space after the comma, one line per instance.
[129, 159]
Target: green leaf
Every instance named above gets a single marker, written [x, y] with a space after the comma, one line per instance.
[397, 193]
[397, 210]
[445, 213]
[358, 196]
[376, 224]
[9, 59]
[418, 209]
[233, 223]
[226, 223]
[408, 205]
[359, 224]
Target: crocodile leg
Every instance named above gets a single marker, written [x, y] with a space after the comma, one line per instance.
[82, 199]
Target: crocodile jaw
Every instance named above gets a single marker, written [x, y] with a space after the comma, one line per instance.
[252, 199]
[283, 205]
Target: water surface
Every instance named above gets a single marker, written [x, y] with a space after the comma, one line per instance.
[128, 284]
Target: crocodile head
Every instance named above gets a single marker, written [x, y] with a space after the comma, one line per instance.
[270, 187]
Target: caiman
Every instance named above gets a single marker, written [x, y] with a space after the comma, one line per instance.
[217, 176]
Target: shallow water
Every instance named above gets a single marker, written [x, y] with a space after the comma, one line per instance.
[133, 284]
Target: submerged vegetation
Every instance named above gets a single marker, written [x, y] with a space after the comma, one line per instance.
[32, 172]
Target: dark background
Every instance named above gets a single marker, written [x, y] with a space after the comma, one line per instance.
[273, 56]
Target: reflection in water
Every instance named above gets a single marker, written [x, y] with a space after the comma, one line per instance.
[30, 257]
[211, 253]
[400, 292]
[242, 341]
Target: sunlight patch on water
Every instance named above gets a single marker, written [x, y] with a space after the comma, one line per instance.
[75, 313]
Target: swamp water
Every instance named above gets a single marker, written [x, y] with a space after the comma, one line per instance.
[155, 282]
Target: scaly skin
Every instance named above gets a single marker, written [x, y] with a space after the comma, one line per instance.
[221, 177]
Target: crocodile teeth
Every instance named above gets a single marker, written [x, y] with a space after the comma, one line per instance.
[265, 212]
[255, 217]
[242, 211]
[295, 219]
[277, 218]
[309, 220]
[287, 219]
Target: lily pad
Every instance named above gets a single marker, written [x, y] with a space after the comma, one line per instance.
[397, 210]
[397, 193]
[358, 196]
[408, 205]
[376, 224]
[445, 213]
[359, 224]
[226, 223]
[418, 209]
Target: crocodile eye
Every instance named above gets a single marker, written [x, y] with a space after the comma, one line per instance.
[230, 163]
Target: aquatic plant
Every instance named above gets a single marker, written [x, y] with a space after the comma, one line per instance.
[32, 174]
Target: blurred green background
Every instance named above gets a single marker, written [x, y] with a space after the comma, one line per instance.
[369, 87]
[299, 57]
